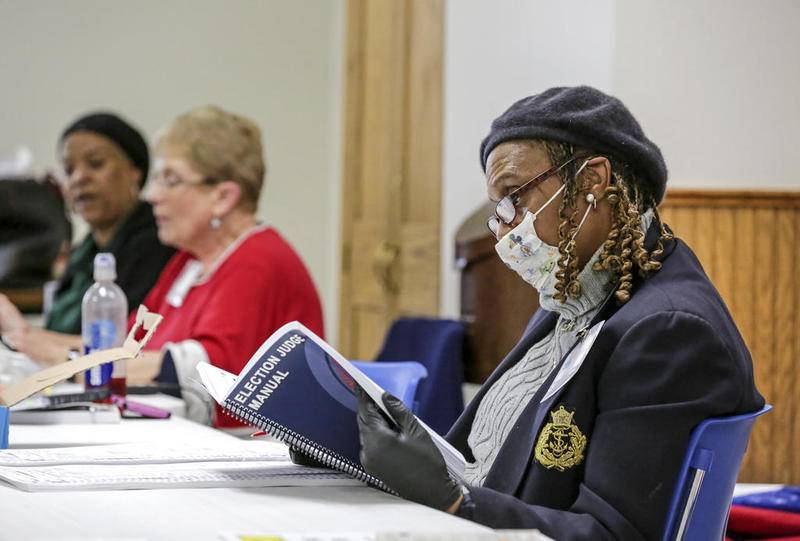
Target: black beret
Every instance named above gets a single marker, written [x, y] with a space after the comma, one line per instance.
[123, 134]
[587, 118]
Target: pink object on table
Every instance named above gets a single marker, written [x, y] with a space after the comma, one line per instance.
[150, 412]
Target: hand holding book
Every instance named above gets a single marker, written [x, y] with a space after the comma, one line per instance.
[300, 390]
[405, 458]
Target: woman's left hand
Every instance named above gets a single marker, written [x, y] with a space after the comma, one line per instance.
[24, 338]
[143, 369]
[404, 458]
[11, 319]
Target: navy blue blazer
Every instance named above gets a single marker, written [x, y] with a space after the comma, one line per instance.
[599, 459]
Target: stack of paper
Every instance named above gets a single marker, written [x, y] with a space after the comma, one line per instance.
[144, 453]
[140, 466]
[73, 413]
[189, 475]
[489, 535]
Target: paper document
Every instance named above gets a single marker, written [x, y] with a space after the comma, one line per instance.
[496, 535]
[145, 453]
[217, 381]
[86, 413]
[192, 475]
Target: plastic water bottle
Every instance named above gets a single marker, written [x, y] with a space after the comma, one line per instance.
[104, 318]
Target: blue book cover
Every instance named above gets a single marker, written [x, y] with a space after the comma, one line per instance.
[300, 390]
[279, 392]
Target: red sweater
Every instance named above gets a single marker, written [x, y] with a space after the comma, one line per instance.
[260, 286]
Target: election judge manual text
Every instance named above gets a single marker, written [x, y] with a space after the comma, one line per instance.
[300, 390]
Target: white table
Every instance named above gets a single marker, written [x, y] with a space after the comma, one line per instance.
[196, 513]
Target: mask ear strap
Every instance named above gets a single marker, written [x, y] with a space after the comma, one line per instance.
[590, 198]
[552, 198]
[561, 189]
[582, 167]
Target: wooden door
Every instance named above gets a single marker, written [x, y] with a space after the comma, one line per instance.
[392, 168]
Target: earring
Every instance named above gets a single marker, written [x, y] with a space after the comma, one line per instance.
[216, 223]
[590, 198]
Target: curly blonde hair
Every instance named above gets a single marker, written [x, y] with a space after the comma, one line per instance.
[623, 251]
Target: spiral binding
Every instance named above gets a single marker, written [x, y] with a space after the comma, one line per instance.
[312, 449]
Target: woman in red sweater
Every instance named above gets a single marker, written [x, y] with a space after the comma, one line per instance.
[234, 281]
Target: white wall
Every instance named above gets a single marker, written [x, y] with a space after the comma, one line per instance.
[713, 82]
[277, 62]
[496, 53]
[716, 84]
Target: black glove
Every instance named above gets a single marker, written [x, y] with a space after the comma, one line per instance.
[405, 457]
[301, 459]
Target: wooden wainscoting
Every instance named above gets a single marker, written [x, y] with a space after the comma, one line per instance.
[748, 243]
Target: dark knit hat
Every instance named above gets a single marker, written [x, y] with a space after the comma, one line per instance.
[587, 118]
[123, 134]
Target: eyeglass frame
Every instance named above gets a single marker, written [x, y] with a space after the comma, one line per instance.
[517, 194]
[161, 182]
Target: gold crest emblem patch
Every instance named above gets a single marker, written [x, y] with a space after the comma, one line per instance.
[561, 443]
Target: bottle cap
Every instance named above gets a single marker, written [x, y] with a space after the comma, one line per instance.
[105, 267]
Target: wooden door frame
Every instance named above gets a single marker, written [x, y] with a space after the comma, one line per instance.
[415, 29]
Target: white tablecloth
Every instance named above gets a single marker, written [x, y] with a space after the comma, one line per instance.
[196, 513]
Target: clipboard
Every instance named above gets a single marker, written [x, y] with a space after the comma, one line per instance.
[130, 349]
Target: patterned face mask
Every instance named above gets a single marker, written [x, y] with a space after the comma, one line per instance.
[525, 253]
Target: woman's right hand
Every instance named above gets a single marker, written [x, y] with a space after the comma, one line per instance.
[404, 456]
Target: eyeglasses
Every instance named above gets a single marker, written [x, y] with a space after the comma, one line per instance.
[506, 210]
[170, 181]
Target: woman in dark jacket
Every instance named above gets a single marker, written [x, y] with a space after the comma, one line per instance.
[582, 428]
[106, 162]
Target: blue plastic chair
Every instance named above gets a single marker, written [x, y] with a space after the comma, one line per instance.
[702, 497]
[437, 344]
[399, 378]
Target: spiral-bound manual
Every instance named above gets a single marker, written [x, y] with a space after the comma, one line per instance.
[300, 390]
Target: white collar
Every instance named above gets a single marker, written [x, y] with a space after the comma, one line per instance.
[192, 274]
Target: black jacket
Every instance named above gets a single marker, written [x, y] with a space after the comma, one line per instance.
[140, 258]
[664, 361]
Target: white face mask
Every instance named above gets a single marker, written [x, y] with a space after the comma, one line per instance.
[525, 253]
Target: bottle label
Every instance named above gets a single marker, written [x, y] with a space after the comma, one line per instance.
[102, 335]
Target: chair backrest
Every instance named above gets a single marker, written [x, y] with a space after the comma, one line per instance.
[399, 378]
[702, 496]
[33, 227]
[437, 344]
